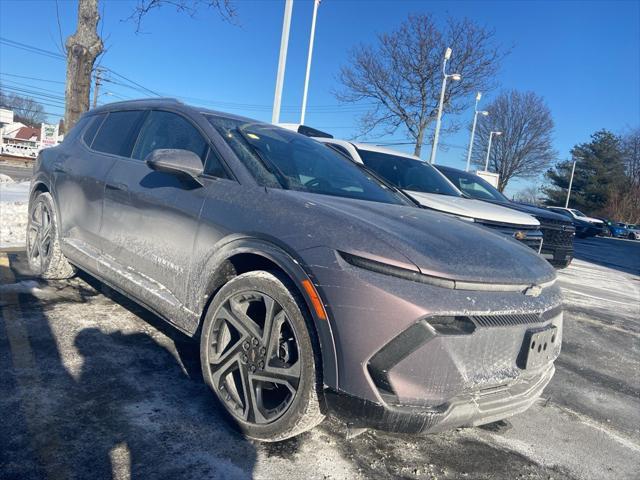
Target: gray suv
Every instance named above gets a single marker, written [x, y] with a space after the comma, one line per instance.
[312, 286]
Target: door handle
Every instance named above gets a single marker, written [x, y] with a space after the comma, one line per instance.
[117, 186]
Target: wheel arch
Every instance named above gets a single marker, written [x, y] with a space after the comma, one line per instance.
[250, 254]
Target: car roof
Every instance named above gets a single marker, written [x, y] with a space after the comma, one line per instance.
[377, 148]
[166, 102]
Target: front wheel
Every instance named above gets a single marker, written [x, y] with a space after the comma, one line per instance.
[631, 236]
[257, 353]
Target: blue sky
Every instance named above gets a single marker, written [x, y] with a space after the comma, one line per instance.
[582, 57]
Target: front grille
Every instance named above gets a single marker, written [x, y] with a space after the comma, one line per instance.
[533, 242]
[557, 233]
[514, 319]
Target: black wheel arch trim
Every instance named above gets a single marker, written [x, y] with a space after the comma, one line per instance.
[292, 266]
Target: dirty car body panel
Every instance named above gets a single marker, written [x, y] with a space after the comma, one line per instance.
[429, 319]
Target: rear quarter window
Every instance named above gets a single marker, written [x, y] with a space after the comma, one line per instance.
[118, 133]
[72, 134]
[92, 129]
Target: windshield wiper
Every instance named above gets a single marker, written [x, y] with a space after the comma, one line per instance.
[266, 163]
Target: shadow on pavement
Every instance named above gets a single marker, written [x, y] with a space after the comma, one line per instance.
[81, 399]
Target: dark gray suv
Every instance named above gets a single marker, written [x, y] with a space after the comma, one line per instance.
[312, 286]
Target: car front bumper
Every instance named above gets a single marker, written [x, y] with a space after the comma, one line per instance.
[470, 409]
[404, 371]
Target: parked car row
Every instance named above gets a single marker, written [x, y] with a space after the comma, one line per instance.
[590, 226]
[623, 230]
[314, 282]
[460, 194]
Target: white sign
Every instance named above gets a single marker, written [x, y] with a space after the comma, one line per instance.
[48, 135]
[490, 177]
[6, 116]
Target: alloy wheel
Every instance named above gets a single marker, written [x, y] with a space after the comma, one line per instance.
[39, 234]
[253, 357]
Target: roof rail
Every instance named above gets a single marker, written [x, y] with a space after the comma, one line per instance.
[148, 100]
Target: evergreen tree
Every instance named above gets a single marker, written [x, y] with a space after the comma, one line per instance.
[599, 171]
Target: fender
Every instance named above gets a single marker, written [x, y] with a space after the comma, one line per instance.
[213, 270]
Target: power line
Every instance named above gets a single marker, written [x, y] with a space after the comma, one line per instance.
[131, 81]
[51, 54]
[135, 86]
[30, 78]
[31, 49]
[26, 85]
[33, 92]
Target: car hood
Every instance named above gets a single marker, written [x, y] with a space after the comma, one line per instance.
[468, 207]
[437, 244]
[539, 213]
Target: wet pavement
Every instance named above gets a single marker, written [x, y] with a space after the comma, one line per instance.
[94, 386]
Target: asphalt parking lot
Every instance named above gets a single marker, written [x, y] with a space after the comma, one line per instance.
[94, 386]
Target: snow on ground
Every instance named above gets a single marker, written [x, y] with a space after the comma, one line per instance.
[95, 386]
[14, 199]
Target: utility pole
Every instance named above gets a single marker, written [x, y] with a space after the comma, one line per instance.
[316, 3]
[486, 163]
[282, 61]
[473, 128]
[96, 87]
[573, 169]
[445, 77]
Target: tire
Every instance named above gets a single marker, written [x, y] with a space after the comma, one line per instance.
[43, 243]
[280, 364]
[631, 236]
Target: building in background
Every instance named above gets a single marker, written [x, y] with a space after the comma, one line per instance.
[20, 140]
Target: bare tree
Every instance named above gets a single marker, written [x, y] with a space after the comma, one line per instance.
[525, 147]
[530, 195]
[83, 47]
[631, 150]
[25, 109]
[401, 75]
[225, 8]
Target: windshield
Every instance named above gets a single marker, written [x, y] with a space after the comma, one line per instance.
[281, 158]
[407, 173]
[578, 213]
[474, 186]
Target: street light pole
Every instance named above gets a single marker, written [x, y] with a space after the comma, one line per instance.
[282, 61]
[573, 169]
[473, 128]
[486, 163]
[445, 76]
[316, 3]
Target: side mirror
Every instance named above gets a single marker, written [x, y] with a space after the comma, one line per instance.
[176, 161]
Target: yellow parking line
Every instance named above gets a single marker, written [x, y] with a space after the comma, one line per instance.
[28, 378]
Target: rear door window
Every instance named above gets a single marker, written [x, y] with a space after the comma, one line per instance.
[169, 130]
[118, 133]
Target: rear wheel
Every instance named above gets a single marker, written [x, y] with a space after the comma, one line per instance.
[257, 353]
[43, 246]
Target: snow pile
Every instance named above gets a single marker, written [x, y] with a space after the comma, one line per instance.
[14, 201]
[5, 178]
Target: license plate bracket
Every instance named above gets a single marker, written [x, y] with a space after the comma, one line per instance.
[538, 347]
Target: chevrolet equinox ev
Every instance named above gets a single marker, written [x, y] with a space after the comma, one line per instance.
[311, 286]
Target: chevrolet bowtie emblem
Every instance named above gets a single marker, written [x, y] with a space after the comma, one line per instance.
[533, 291]
[520, 235]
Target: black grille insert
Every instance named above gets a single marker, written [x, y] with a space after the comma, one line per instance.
[515, 318]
